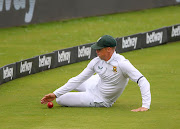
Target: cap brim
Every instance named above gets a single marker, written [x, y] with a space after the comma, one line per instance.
[95, 46]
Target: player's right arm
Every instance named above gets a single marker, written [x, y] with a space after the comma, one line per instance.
[74, 82]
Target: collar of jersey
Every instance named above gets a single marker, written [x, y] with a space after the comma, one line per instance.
[112, 57]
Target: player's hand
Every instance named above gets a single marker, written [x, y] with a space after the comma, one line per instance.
[48, 98]
[141, 109]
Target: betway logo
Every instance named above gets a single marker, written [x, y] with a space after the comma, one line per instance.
[84, 51]
[64, 56]
[19, 4]
[26, 67]
[129, 42]
[45, 61]
[7, 72]
[175, 31]
[154, 37]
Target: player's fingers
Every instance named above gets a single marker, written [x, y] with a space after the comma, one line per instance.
[135, 110]
[47, 98]
[140, 109]
[44, 100]
[143, 110]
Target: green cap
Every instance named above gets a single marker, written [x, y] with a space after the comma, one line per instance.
[104, 41]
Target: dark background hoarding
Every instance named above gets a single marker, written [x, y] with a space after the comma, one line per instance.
[23, 12]
[74, 54]
[7, 73]
[26, 67]
[65, 57]
[128, 43]
[45, 61]
[154, 38]
[84, 52]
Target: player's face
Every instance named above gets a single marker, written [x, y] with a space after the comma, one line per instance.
[102, 53]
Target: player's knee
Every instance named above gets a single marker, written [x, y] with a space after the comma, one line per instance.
[60, 101]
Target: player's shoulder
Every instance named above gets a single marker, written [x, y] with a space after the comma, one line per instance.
[119, 58]
[122, 61]
[94, 61]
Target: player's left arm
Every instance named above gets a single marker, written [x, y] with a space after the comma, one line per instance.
[131, 72]
[145, 93]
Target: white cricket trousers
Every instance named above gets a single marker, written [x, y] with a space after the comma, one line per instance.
[83, 98]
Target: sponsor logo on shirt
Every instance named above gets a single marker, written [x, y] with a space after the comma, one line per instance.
[99, 67]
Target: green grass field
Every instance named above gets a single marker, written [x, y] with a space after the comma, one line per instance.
[20, 106]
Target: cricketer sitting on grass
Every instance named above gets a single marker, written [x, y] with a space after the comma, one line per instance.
[112, 72]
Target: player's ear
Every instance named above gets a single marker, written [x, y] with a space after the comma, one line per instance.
[108, 49]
